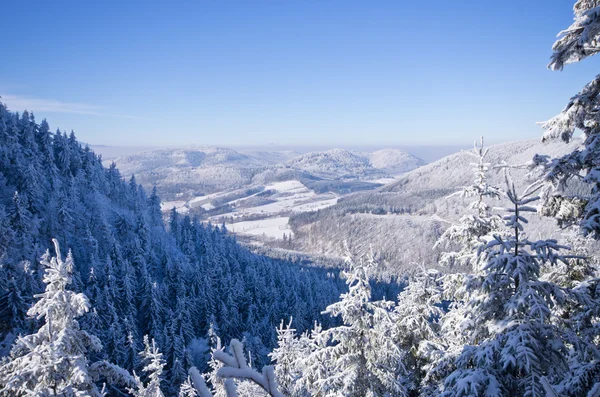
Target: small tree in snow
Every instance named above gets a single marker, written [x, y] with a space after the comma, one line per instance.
[416, 324]
[215, 381]
[461, 242]
[471, 228]
[285, 356]
[358, 358]
[187, 388]
[154, 366]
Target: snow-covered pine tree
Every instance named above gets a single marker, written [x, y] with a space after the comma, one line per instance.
[12, 305]
[309, 375]
[187, 389]
[461, 242]
[580, 40]
[467, 234]
[154, 366]
[285, 355]
[24, 224]
[579, 317]
[218, 388]
[416, 325]
[515, 346]
[360, 357]
[53, 361]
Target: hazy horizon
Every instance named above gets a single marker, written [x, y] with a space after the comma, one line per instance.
[428, 153]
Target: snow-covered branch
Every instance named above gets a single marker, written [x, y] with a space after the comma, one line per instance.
[236, 367]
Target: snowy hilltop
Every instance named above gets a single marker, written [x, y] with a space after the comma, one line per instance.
[394, 161]
[336, 164]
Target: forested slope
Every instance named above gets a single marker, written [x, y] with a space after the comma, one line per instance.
[140, 278]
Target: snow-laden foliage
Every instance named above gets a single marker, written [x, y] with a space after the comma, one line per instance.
[516, 345]
[579, 317]
[579, 41]
[55, 359]
[288, 349]
[154, 366]
[359, 358]
[416, 325]
[233, 368]
[467, 234]
[187, 388]
[236, 367]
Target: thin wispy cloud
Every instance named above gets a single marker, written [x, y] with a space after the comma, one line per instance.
[20, 103]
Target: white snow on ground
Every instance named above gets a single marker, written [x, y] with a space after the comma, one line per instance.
[292, 204]
[385, 181]
[273, 208]
[315, 205]
[289, 197]
[179, 205]
[287, 186]
[198, 199]
[294, 197]
[272, 227]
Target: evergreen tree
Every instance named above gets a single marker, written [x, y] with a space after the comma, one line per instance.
[53, 361]
[577, 42]
[360, 357]
[468, 233]
[24, 224]
[154, 367]
[289, 348]
[12, 306]
[515, 344]
[416, 325]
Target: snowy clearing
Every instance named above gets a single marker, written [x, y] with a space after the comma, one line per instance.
[272, 227]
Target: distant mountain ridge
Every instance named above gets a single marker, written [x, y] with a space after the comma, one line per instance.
[205, 170]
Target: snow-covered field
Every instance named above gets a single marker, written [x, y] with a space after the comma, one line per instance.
[270, 227]
[180, 205]
[264, 189]
[261, 212]
[287, 197]
[291, 196]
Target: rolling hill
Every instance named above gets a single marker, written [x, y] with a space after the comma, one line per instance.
[402, 220]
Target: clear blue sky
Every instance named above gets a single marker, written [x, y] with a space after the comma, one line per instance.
[288, 72]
